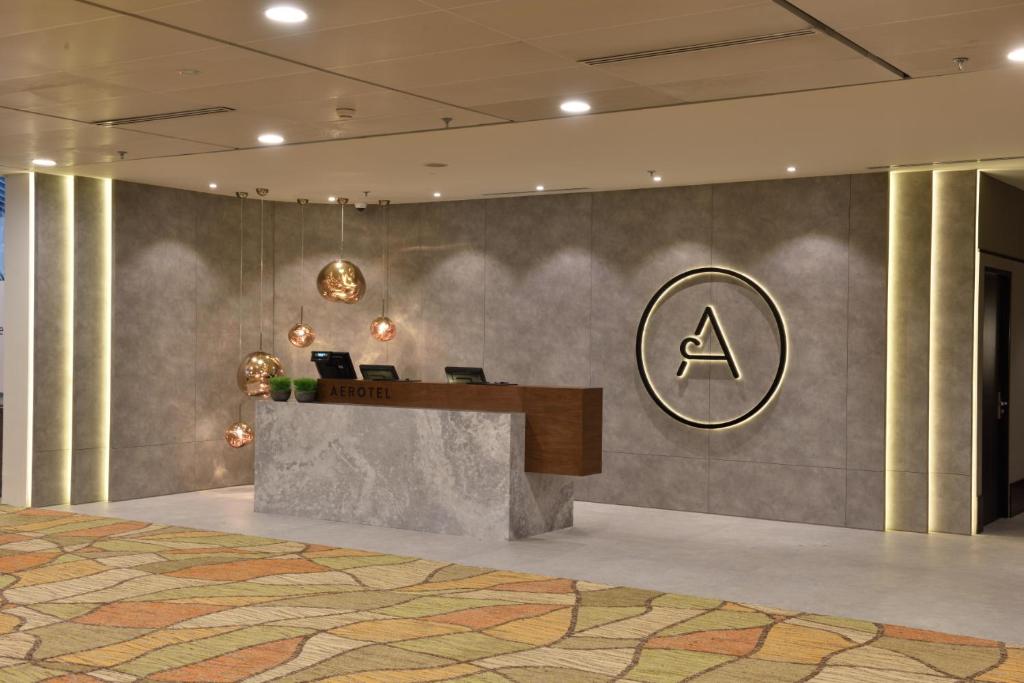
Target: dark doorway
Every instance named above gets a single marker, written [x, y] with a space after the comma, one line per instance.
[995, 398]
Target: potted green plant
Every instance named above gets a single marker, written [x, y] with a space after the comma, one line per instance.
[305, 389]
[280, 388]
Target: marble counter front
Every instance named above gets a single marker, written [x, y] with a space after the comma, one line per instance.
[446, 471]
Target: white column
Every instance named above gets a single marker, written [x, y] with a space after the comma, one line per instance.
[19, 252]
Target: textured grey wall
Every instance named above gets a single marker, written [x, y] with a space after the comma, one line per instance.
[51, 429]
[951, 364]
[539, 290]
[908, 403]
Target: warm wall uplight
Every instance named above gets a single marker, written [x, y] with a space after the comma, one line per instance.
[575, 107]
[69, 328]
[1016, 55]
[286, 14]
[271, 139]
[46, 163]
[106, 323]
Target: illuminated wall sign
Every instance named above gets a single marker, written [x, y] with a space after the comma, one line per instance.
[683, 343]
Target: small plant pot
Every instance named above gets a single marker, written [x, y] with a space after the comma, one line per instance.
[306, 396]
[281, 395]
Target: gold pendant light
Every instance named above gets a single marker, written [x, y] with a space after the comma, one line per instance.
[240, 433]
[256, 369]
[383, 328]
[341, 280]
[302, 335]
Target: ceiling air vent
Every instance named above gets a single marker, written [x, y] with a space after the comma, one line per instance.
[550, 190]
[147, 118]
[699, 47]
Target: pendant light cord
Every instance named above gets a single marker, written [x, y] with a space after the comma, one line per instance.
[241, 261]
[302, 251]
[341, 253]
[387, 257]
[241, 275]
[261, 274]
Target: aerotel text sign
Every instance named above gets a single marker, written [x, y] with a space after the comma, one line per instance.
[745, 370]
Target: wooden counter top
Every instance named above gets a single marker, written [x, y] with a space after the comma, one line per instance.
[563, 424]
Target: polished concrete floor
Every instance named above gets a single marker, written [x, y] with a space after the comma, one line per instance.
[965, 585]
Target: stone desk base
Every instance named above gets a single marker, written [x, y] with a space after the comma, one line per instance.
[451, 472]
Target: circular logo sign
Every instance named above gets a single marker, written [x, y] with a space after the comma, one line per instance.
[711, 348]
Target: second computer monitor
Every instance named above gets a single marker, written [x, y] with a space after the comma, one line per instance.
[379, 373]
[465, 375]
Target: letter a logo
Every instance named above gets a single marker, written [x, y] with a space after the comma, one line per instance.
[690, 354]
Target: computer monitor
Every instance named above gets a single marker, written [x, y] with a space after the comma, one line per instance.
[334, 364]
[465, 375]
[379, 373]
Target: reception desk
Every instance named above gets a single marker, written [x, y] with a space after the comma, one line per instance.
[452, 459]
[563, 424]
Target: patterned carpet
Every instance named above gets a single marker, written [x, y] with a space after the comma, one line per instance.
[98, 599]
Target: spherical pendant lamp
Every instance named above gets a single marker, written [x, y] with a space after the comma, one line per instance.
[383, 328]
[255, 371]
[341, 281]
[301, 335]
[239, 435]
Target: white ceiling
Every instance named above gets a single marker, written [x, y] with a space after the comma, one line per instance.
[499, 69]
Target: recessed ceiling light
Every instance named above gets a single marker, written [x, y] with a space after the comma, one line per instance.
[286, 14]
[271, 139]
[655, 176]
[575, 107]
[437, 195]
[791, 169]
[540, 188]
[332, 199]
[213, 186]
[1016, 55]
[44, 162]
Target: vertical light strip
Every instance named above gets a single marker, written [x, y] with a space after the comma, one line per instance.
[106, 321]
[934, 310]
[976, 374]
[30, 392]
[69, 328]
[890, 354]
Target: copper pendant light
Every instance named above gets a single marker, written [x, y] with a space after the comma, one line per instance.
[302, 335]
[383, 328]
[256, 369]
[340, 280]
[239, 434]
